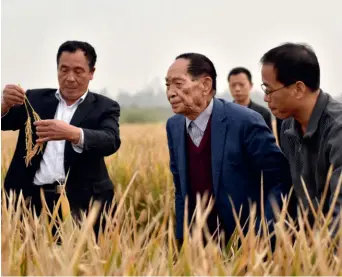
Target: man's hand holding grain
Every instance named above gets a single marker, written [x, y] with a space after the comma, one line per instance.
[12, 95]
[53, 129]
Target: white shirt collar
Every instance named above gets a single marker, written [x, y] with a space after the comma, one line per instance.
[79, 101]
[202, 120]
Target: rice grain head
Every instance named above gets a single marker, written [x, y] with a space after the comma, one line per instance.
[28, 141]
[38, 147]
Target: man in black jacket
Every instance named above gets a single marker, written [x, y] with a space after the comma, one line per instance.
[240, 85]
[78, 129]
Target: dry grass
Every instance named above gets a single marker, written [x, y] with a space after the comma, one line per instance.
[140, 239]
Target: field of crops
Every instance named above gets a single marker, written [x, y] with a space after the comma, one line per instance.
[139, 240]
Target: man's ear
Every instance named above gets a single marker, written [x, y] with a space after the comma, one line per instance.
[92, 73]
[207, 85]
[300, 89]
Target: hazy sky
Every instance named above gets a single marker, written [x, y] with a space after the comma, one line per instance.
[136, 41]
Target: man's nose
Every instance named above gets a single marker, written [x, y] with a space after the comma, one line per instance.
[267, 98]
[70, 77]
[171, 93]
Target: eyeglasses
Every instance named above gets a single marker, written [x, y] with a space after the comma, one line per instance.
[267, 92]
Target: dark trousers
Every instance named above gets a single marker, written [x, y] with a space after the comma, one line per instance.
[78, 203]
[213, 223]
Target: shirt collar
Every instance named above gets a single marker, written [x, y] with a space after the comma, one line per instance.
[79, 101]
[316, 115]
[202, 120]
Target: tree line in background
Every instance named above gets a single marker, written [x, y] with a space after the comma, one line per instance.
[150, 104]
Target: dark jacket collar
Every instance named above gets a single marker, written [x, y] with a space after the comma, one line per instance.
[321, 103]
[250, 104]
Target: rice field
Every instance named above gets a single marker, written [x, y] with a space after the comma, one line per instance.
[139, 239]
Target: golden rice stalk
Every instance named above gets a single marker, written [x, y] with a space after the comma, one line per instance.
[36, 117]
[88, 224]
[38, 147]
[28, 141]
[65, 206]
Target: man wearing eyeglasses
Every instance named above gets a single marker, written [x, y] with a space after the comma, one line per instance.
[311, 134]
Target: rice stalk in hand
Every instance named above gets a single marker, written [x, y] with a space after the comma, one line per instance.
[31, 150]
[28, 139]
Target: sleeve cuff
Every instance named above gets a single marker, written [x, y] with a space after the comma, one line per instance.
[79, 146]
[5, 114]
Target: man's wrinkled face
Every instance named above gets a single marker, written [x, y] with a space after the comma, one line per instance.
[184, 92]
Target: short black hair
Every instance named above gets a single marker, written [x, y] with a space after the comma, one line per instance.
[199, 65]
[73, 45]
[294, 62]
[239, 70]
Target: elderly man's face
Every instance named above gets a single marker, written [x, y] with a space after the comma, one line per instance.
[184, 92]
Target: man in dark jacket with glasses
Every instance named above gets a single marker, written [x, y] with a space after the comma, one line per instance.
[311, 134]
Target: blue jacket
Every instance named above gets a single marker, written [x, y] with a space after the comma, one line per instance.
[242, 147]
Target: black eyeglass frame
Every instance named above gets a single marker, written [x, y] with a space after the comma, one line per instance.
[264, 88]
